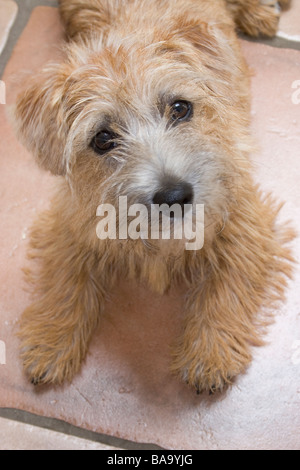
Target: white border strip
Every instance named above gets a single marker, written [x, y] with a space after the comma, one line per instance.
[289, 37]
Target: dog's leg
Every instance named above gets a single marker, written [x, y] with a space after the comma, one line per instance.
[243, 273]
[257, 17]
[215, 346]
[56, 329]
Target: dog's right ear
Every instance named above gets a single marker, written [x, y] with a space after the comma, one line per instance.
[39, 119]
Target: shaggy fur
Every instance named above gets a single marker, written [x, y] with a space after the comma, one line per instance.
[126, 62]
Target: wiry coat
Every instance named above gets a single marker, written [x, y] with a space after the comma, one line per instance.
[126, 62]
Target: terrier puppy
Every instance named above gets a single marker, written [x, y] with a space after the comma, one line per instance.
[152, 103]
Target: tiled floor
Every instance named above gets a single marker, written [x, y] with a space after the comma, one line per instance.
[124, 395]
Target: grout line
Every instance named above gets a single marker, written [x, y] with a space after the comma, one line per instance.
[63, 427]
[278, 42]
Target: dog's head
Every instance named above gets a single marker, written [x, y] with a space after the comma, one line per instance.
[160, 121]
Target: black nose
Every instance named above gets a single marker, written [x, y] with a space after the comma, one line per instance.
[174, 193]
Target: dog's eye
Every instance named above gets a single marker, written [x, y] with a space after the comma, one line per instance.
[103, 142]
[181, 111]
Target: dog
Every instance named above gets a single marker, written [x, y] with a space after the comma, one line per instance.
[151, 103]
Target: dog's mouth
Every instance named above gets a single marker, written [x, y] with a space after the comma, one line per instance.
[178, 221]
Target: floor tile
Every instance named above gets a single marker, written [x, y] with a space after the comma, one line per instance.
[124, 388]
[8, 12]
[19, 436]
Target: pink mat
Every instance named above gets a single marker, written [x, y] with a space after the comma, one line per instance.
[124, 388]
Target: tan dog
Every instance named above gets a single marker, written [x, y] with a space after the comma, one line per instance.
[151, 103]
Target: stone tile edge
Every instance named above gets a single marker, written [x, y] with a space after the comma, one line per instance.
[63, 427]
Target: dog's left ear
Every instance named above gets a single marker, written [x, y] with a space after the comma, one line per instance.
[39, 120]
[206, 38]
[198, 35]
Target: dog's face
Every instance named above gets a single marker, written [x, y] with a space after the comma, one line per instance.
[158, 123]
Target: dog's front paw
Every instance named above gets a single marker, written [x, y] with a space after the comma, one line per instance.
[45, 365]
[212, 381]
[212, 369]
[49, 354]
